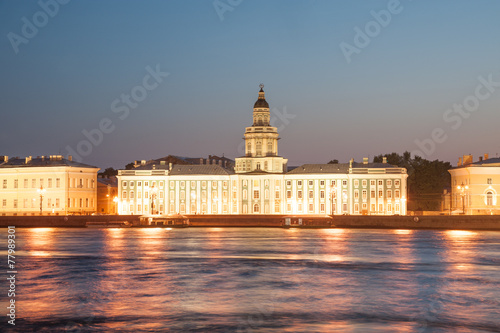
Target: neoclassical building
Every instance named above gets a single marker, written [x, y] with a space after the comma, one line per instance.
[475, 186]
[260, 183]
[47, 185]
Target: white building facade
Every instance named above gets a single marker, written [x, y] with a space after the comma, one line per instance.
[260, 183]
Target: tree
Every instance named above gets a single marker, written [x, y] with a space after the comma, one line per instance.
[129, 166]
[334, 162]
[426, 179]
[108, 172]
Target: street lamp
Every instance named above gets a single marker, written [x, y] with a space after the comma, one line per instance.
[154, 192]
[333, 191]
[41, 191]
[115, 200]
[462, 188]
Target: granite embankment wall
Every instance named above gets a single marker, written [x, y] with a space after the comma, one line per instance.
[454, 222]
[72, 221]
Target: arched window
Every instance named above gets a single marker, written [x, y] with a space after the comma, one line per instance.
[256, 208]
[489, 198]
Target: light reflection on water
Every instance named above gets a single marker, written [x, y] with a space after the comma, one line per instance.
[257, 280]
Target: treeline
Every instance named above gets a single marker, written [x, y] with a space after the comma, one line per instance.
[426, 179]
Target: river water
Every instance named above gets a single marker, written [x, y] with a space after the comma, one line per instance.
[255, 280]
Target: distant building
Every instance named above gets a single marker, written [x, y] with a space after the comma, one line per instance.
[475, 186]
[260, 184]
[107, 195]
[50, 185]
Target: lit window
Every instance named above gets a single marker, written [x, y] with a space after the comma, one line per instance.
[322, 183]
[288, 183]
[289, 194]
[356, 183]
[489, 198]
[389, 194]
[310, 183]
[364, 193]
[389, 183]
[364, 182]
[311, 194]
[256, 194]
[299, 194]
[396, 183]
[299, 183]
[489, 181]
[322, 194]
[380, 194]
[344, 182]
[372, 183]
[124, 184]
[380, 183]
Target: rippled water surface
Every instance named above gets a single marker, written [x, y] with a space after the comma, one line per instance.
[255, 280]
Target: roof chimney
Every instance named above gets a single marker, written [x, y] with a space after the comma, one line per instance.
[459, 161]
[384, 159]
[365, 160]
[350, 162]
[486, 156]
[27, 160]
[162, 162]
[143, 162]
[170, 166]
[6, 159]
[70, 158]
[480, 158]
[467, 159]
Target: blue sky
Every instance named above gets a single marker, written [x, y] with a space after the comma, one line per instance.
[394, 92]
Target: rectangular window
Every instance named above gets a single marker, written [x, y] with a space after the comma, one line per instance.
[183, 195]
[356, 208]
[372, 183]
[4, 203]
[16, 183]
[389, 183]
[15, 203]
[380, 183]
[58, 182]
[87, 202]
[277, 207]
[289, 208]
[124, 195]
[299, 194]
[356, 182]
[256, 194]
[364, 182]
[311, 194]
[57, 202]
[334, 183]
[322, 194]
[183, 184]
[288, 194]
[224, 184]
[380, 194]
[131, 194]
[396, 183]
[5, 183]
[299, 207]
[139, 208]
[310, 183]
[33, 183]
[396, 207]
[381, 208]
[26, 183]
[396, 194]
[161, 194]
[389, 208]
[49, 183]
[489, 181]
[277, 195]
[25, 203]
[193, 184]
[124, 183]
[356, 194]
[172, 184]
[322, 183]
[344, 182]
[322, 208]
[372, 194]
[364, 194]
[299, 183]
[49, 203]
[389, 194]
[311, 207]
[256, 183]
[288, 183]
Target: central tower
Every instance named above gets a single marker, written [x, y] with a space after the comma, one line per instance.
[261, 142]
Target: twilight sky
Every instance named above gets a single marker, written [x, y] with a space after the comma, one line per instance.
[344, 78]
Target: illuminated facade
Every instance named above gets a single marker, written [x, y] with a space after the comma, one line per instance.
[475, 186]
[260, 183]
[60, 186]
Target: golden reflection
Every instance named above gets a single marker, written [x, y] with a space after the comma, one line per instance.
[459, 235]
[39, 253]
[402, 232]
[215, 229]
[40, 237]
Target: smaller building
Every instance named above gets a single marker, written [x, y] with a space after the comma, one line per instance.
[475, 186]
[107, 195]
[47, 185]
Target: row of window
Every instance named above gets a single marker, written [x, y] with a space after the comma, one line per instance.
[34, 203]
[364, 182]
[489, 181]
[50, 183]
